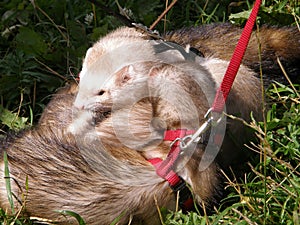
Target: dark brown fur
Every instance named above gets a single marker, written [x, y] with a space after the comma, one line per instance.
[219, 40]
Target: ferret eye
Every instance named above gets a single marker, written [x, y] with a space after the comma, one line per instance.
[101, 92]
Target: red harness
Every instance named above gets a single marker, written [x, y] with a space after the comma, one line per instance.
[164, 168]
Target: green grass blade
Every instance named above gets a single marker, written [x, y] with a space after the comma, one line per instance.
[7, 183]
[79, 219]
[116, 220]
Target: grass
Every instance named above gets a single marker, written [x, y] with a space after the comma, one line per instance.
[56, 37]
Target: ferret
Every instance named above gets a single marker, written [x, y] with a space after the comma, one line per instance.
[89, 169]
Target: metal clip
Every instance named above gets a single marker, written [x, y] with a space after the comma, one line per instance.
[173, 142]
[196, 137]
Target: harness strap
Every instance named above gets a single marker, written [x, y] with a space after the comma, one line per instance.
[177, 184]
[171, 135]
[164, 169]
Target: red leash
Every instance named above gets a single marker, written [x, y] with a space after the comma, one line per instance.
[235, 62]
[164, 167]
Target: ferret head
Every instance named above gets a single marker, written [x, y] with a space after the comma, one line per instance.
[107, 58]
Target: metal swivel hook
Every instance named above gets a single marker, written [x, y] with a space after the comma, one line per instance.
[186, 141]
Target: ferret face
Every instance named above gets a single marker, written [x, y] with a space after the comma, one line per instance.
[110, 68]
[106, 58]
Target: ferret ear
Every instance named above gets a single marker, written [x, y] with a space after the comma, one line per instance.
[86, 62]
[155, 81]
[123, 76]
